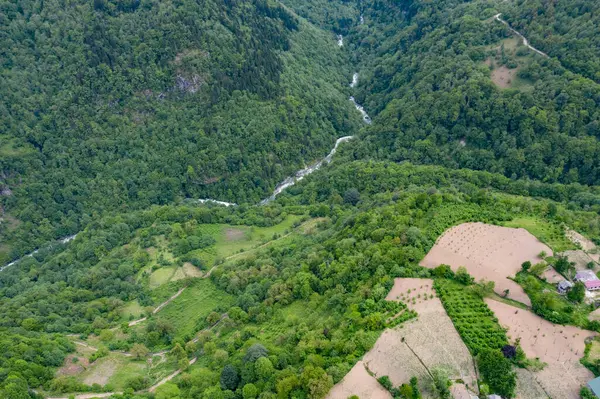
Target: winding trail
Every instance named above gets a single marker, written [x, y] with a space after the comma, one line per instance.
[91, 395]
[158, 308]
[288, 182]
[126, 354]
[525, 41]
[155, 386]
[170, 376]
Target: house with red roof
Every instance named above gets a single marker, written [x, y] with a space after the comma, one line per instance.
[592, 285]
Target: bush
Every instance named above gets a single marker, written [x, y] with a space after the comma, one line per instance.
[386, 382]
[229, 378]
[497, 372]
[255, 352]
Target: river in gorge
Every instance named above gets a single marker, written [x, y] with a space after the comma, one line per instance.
[287, 182]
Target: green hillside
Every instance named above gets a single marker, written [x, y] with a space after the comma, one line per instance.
[118, 115]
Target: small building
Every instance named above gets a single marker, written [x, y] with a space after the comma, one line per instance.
[564, 286]
[594, 386]
[494, 396]
[586, 275]
[592, 285]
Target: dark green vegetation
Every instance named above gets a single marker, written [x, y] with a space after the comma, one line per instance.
[556, 308]
[478, 328]
[404, 391]
[475, 322]
[497, 371]
[425, 84]
[567, 30]
[113, 106]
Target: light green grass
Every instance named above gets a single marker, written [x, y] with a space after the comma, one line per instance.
[549, 233]
[247, 238]
[127, 369]
[187, 313]
[594, 354]
[117, 367]
[132, 308]
[511, 45]
[161, 276]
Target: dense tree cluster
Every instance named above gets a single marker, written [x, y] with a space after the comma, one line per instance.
[29, 359]
[335, 278]
[424, 80]
[567, 30]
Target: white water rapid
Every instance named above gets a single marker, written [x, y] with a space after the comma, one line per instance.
[29, 255]
[205, 200]
[365, 116]
[290, 181]
[354, 80]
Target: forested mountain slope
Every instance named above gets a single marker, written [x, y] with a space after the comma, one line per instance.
[112, 105]
[568, 30]
[448, 84]
[436, 103]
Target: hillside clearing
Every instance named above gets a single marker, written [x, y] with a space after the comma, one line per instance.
[187, 312]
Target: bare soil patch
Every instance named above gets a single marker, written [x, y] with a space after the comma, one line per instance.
[527, 386]
[191, 270]
[460, 391]
[576, 238]
[586, 244]
[552, 276]
[71, 367]
[503, 76]
[580, 257]
[234, 234]
[488, 252]
[560, 347]
[360, 383]
[417, 346]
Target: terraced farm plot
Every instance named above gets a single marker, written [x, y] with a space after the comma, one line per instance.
[561, 347]
[416, 347]
[580, 258]
[360, 383]
[527, 385]
[577, 238]
[488, 252]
